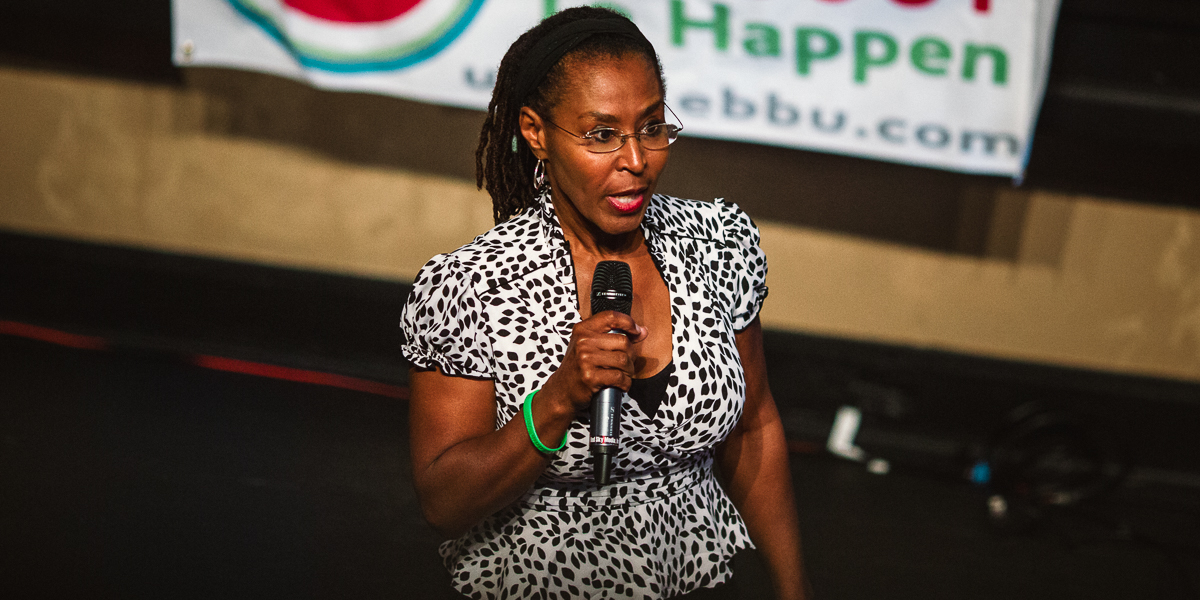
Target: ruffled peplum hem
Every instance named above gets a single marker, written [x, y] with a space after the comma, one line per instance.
[647, 539]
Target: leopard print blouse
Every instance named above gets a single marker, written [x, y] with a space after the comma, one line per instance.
[502, 307]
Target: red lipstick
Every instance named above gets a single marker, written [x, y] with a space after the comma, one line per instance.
[627, 202]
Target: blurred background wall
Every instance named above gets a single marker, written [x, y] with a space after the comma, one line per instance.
[1093, 261]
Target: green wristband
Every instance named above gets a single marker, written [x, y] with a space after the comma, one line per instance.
[533, 436]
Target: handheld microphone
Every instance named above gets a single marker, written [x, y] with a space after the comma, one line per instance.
[612, 289]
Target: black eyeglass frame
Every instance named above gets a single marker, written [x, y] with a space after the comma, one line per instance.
[625, 136]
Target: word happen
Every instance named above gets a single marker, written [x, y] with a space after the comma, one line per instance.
[871, 50]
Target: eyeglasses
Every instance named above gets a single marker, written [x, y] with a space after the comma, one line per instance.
[603, 140]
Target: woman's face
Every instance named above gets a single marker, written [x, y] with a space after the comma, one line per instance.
[608, 191]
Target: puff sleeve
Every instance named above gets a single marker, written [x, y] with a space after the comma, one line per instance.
[443, 325]
[747, 266]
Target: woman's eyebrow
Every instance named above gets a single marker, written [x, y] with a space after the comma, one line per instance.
[602, 117]
[607, 118]
[654, 107]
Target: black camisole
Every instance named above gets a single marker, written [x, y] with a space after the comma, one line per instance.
[649, 392]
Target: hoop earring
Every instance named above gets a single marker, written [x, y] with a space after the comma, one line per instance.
[539, 175]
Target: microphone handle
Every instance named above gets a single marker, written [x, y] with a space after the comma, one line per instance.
[606, 428]
[606, 423]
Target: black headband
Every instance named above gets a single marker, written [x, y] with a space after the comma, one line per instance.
[550, 49]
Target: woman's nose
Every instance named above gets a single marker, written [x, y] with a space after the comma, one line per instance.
[632, 155]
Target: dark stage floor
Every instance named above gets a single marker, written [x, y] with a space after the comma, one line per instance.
[135, 475]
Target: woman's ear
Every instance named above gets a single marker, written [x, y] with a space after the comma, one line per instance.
[533, 129]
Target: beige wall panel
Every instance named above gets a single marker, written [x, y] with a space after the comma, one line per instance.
[126, 163]
[1075, 281]
[1120, 292]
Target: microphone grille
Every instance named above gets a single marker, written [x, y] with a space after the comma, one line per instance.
[612, 287]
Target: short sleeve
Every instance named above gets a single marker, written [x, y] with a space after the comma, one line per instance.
[749, 266]
[442, 324]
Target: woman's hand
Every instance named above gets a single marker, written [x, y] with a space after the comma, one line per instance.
[595, 359]
[463, 467]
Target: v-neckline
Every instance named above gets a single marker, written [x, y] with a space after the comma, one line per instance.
[649, 231]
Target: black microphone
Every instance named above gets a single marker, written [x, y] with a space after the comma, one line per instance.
[612, 289]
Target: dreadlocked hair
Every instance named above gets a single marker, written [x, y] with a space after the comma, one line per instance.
[508, 174]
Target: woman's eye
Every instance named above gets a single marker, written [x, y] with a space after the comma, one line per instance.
[602, 135]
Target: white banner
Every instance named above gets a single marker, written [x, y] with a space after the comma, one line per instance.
[953, 84]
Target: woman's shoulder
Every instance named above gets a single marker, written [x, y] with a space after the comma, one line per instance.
[494, 254]
[718, 220]
[510, 235]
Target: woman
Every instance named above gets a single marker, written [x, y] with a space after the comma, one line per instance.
[507, 356]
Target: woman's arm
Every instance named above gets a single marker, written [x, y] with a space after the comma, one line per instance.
[464, 468]
[754, 466]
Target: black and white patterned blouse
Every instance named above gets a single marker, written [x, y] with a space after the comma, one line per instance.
[502, 308]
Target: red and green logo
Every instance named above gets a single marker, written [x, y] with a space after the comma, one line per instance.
[359, 36]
